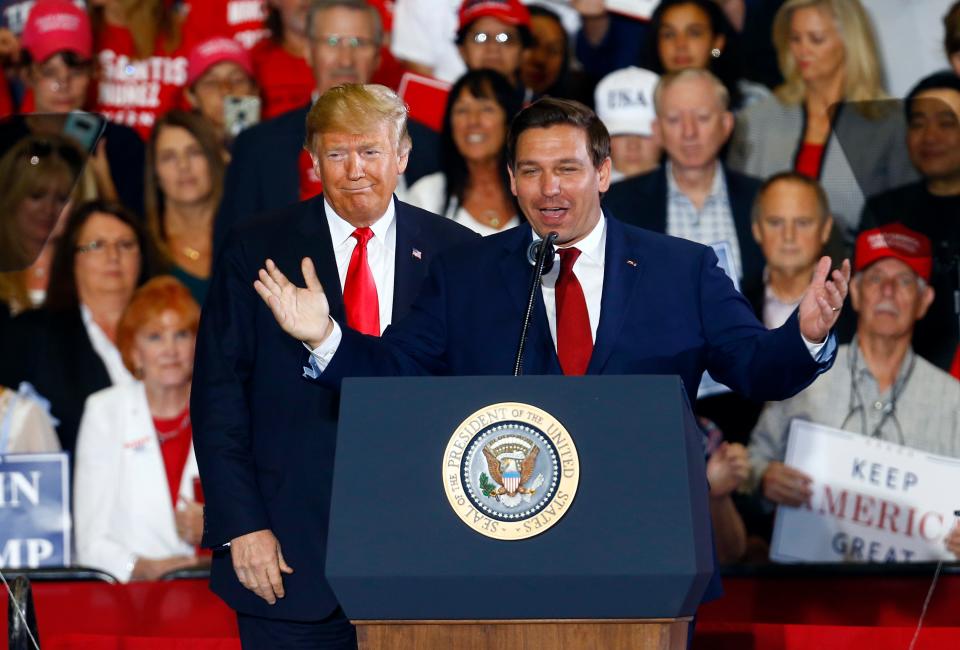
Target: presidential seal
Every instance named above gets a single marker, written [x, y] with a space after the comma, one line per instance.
[510, 471]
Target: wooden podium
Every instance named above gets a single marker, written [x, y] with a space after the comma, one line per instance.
[625, 567]
[644, 634]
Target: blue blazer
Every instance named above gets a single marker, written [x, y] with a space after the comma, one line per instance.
[650, 191]
[264, 171]
[667, 308]
[265, 437]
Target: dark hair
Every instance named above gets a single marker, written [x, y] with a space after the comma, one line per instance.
[793, 177]
[551, 111]
[726, 67]
[274, 24]
[62, 289]
[482, 84]
[70, 58]
[935, 81]
[951, 30]
[559, 87]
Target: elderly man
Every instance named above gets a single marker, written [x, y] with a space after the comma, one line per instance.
[791, 223]
[265, 438]
[270, 168]
[878, 387]
[694, 196]
[932, 205]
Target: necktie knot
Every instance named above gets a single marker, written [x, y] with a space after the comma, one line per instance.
[568, 257]
[362, 235]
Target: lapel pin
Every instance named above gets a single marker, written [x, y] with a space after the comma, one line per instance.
[632, 262]
[417, 254]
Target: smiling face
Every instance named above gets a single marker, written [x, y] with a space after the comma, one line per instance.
[359, 172]
[933, 136]
[163, 351]
[692, 123]
[685, 38]
[816, 45]
[478, 126]
[556, 183]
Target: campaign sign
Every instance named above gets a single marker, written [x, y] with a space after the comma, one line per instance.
[873, 501]
[34, 510]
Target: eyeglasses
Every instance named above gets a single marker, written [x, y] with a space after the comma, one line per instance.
[900, 281]
[239, 85]
[353, 43]
[500, 38]
[53, 76]
[99, 247]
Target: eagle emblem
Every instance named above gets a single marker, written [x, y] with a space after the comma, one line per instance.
[511, 461]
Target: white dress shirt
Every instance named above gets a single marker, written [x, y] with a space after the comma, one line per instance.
[381, 254]
[105, 349]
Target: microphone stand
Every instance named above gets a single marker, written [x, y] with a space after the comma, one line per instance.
[545, 248]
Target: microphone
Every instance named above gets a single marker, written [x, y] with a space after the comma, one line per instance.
[533, 252]
[540, 255]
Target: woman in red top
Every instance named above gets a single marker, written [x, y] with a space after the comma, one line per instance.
[280, 61]
[135, 505]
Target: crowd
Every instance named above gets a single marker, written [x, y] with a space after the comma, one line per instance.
[774, 131]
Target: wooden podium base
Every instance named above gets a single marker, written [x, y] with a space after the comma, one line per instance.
[584, 634]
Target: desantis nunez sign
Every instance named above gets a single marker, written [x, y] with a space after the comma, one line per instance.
[873, 501]
[34, 510]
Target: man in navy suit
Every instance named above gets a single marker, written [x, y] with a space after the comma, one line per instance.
[624, 300]
[264, 437]
[269, 168]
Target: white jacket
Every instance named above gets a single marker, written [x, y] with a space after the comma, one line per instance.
[121, 500]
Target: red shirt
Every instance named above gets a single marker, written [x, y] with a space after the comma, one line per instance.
[955, 369]
[174, 435]
[809, 160]
[286, 81]
[242, 20]
[6, 102]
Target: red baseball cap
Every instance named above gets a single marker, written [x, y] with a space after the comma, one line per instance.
[213, 51]
[512, 12]
[57, 26]
[897, 241]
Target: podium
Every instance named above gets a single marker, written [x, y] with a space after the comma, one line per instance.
[622, 563]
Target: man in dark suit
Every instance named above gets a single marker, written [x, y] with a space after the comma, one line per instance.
[624, 301]
[264, 437]
[694, 195]
[269, 168]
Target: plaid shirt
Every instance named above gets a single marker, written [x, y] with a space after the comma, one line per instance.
[711, 225]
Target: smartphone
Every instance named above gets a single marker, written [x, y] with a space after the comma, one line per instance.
[85, 129]
[239, 112]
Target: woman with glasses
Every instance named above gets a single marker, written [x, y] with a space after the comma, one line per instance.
[473, 189]
[216, 69]
[185, 170]
[135, 503]
[493, 35]
[67, 349]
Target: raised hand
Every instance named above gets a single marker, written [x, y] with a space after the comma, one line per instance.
[303, 313]
[820, 307]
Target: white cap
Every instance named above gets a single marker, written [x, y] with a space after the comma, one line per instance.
[624, 101]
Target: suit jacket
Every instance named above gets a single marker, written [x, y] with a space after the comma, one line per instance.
[121, 497]
[264, 436]
[667, 308]
[264, 171]
[52, 351]
[650, 191]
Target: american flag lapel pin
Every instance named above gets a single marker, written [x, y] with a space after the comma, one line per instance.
[632, 262]
[417, 254]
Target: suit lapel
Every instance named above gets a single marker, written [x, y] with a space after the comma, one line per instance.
[319, 247]
[621, 271]
[409, 262]
[540, 355]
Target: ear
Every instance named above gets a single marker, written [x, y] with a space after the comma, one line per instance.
[136, 357]
[923, 304]
[191, 98]
[755, 229]
[513, 180]
[720, 42]
[855, 293]
[827, 229]
[402, 160]
[604, 173]
[728, 123]
[955, 62]
[657, 129]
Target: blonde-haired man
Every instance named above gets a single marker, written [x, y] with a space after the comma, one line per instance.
[267, 470]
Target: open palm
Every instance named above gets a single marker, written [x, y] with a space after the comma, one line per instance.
[303, 313]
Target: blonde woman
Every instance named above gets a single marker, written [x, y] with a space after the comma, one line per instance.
[831, 119]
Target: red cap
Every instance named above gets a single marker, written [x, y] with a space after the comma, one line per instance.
[214, 51]
[897, 241]
[511, 12]
[56, 26]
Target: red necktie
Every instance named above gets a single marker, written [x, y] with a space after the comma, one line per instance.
[574, 339]
[359, 291]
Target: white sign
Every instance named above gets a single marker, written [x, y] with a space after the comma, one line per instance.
[641, 9]
[873, 501]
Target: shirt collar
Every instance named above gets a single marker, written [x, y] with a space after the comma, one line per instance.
[718, 188]
[592, 246]
[341, 230]
[863, 370]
